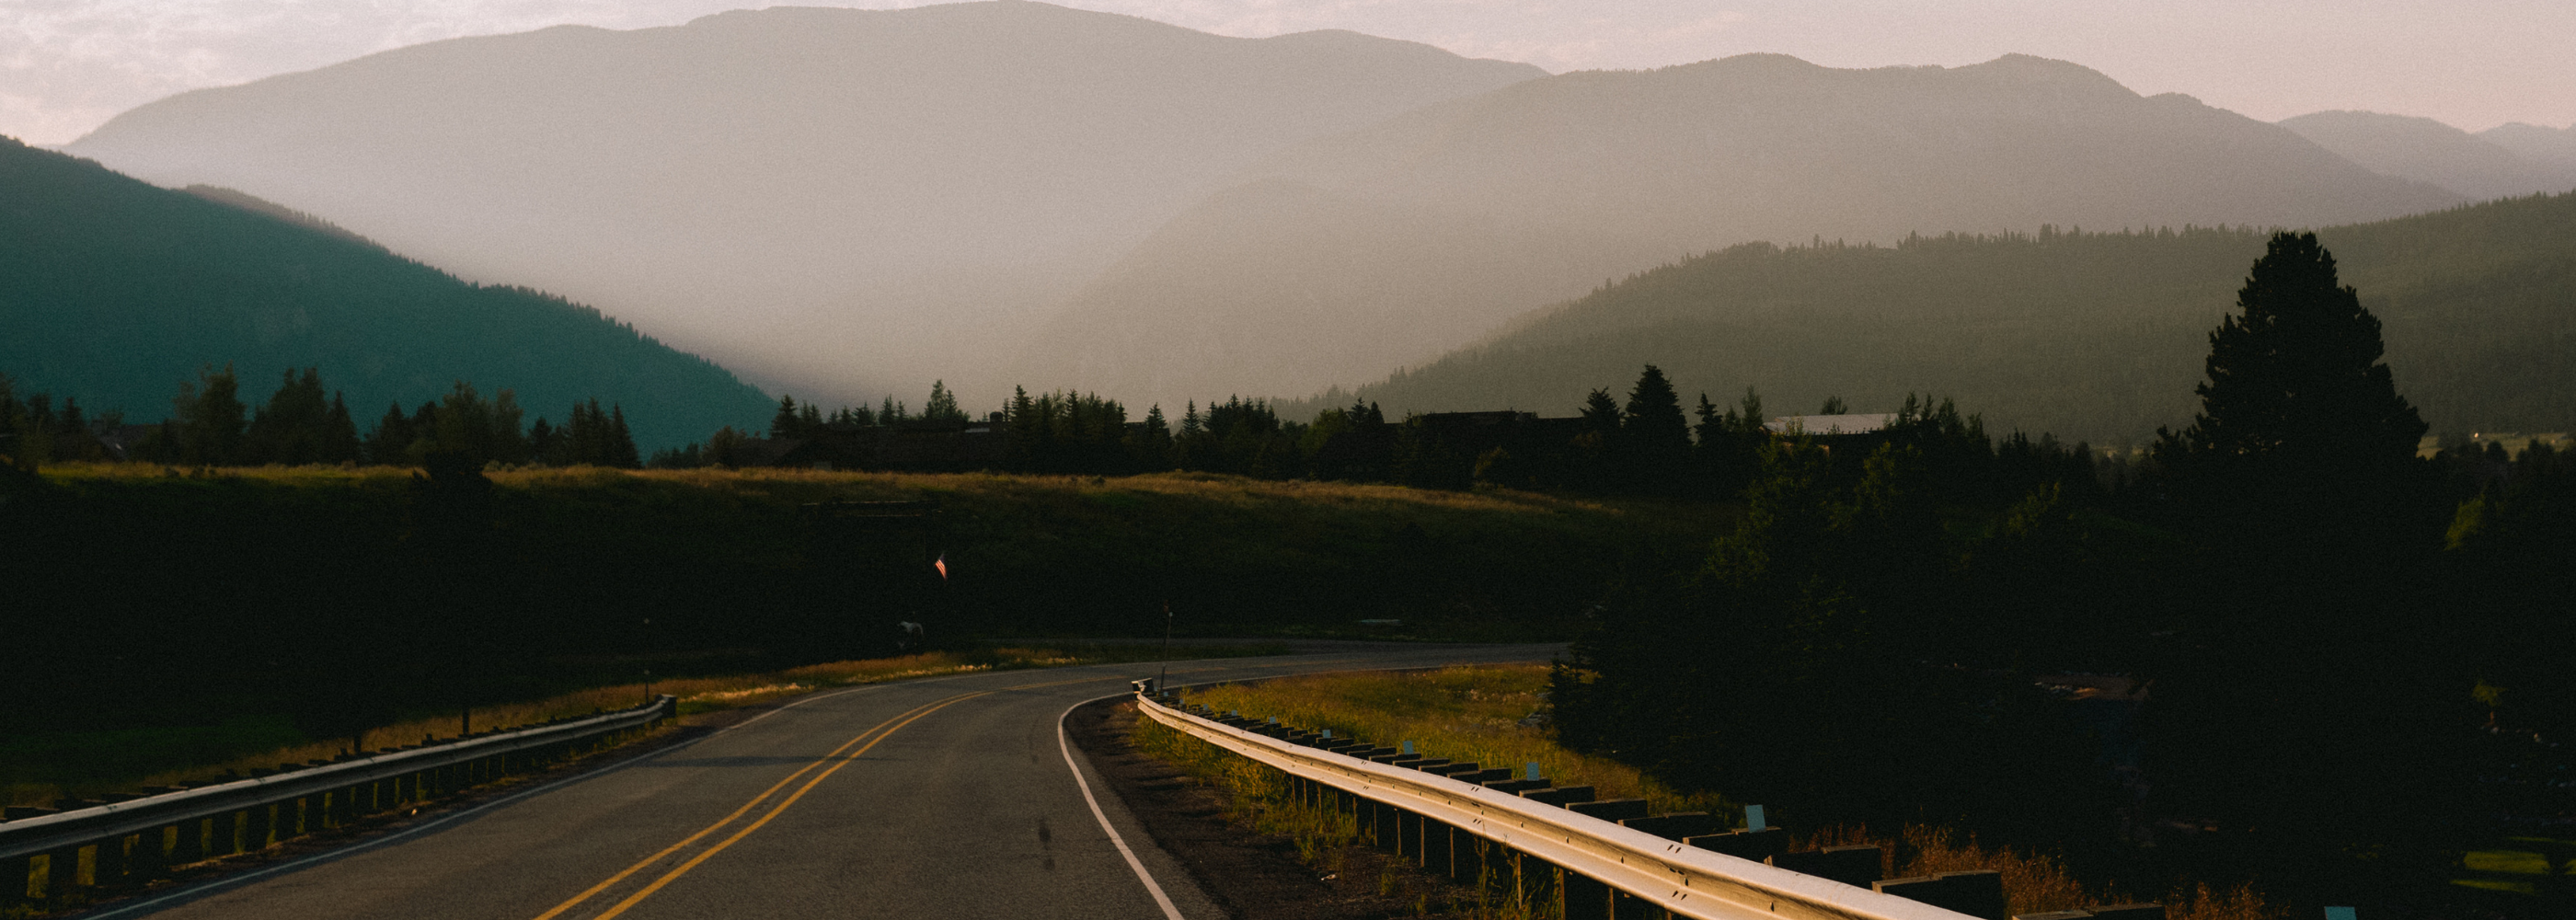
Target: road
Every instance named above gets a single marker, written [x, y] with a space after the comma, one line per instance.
[945, 797]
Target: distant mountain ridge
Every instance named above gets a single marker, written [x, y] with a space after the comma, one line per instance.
[2429, 151]
[113, 292]
[2535, 143]
[846, 201]
[1389, 245]
[2096, 336]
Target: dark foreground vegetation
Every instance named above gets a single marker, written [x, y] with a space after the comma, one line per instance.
[2353, 660]
[2307, 659]
[315, 601]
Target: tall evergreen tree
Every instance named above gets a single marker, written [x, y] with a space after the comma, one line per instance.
[942, 405]
[621, 442]
[787, 423]
[299, 425]
[2300, 422]
[1151, 445]
[2317, 680]
[390, 442]
[1653, 446]
[209, 418]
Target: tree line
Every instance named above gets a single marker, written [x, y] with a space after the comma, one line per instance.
[2329, 631]
[302, 422]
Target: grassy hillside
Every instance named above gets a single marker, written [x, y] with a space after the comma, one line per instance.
[341, 596]
[113, 291]
[2087, 335]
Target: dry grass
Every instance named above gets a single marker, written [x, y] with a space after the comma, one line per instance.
[1462, 714]
[799, 485]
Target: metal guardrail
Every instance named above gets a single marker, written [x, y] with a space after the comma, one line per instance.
[145, 836]
[1666, 874]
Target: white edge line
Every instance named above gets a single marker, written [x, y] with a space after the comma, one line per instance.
[1170, 912]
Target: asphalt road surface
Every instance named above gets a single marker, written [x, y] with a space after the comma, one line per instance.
[946, 797]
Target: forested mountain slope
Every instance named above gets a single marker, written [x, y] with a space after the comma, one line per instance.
[2093, 335]
[848, 202]
[113, 292]
[1368, 250]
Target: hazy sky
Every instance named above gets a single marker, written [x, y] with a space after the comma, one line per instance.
[68, 65]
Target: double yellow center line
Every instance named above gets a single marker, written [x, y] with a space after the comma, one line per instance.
[839, 757]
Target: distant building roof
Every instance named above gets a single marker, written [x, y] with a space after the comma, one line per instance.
[1863, 423]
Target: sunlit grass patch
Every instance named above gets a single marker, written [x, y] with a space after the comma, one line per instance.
[2514, 862]
[1479, 714]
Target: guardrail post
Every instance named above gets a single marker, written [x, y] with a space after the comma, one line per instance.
[62, 875]
[258, 822]
[222, 831]
[1435, 846]
[17, 881]
[151, 859]
[107, 867]
[1583, 897]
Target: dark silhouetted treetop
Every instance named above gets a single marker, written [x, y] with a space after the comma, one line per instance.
[299, 425]
[942, 405]
[2299, 417]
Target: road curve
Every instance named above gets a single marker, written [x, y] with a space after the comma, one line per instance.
[945, 797]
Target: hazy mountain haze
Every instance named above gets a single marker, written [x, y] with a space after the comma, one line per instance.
[1388, 245]
[66, 66]
[2535, 143]
[2429, 151]
[840, 202]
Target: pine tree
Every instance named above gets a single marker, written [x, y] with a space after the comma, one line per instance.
[291, 428]
[621, 443]
[787, 423]
[2300, 422]
[1654, 442]
[390, 443]
[1152, 446]
[339, 433]
[942, 406]
[210, 419]
[545, 443]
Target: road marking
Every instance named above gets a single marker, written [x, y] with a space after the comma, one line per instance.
[1164, 900]
[738, 812]
[683, 869]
